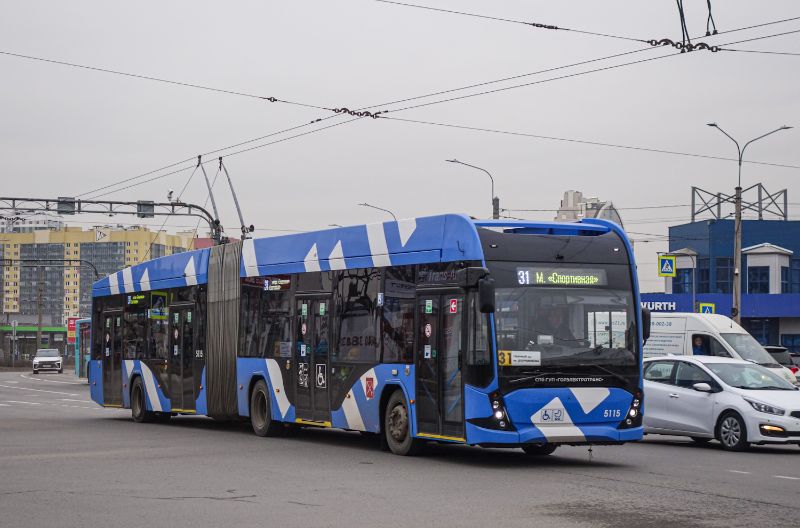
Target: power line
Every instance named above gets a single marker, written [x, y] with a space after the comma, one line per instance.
[523, 22]
[585, 142]
[763, 52]
[285, 130]
[158, 79]
[314, 131]
[579, 209]
[358, 113]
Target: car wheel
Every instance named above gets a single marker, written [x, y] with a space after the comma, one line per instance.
[35, 371]
[700, 440]
[397, 427]
[732, 433]
[139, 411]
[61, 371]
[260, 413]
[539, 449]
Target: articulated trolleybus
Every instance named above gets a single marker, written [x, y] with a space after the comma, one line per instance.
[444, 328]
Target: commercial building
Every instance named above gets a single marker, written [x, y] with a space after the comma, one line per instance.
[35, 275]
[770, 278]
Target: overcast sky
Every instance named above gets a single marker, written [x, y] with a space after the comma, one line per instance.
[66, 131]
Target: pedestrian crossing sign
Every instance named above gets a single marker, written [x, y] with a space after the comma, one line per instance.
[666, 266]
[708, 308]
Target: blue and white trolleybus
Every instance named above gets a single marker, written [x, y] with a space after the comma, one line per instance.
[445, 328]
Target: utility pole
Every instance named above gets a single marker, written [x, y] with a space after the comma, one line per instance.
[736, 310]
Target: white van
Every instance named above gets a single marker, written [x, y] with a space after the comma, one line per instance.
[688, 334]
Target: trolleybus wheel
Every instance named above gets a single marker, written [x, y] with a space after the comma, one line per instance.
[397, 426]
[139, 411]
[539, 449]
[260, 415]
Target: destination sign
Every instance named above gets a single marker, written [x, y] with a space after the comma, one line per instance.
[136, 299]
[543, 276]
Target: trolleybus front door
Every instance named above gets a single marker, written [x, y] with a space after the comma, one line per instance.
[112, 358]
[312, 360]
[181, 358]
[439, 353]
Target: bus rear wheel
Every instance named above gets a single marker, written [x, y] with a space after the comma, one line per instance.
[539, 449]
[260, 413]
[139, 411]
[397, 427]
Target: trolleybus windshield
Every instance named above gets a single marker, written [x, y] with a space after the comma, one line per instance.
[562, 325]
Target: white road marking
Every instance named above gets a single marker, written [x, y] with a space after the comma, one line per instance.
[39, 390]
[9, 381]
[787, 478]
[70, 399]
[28, 403]
[4, 405]
[47, 380]
[739, 472]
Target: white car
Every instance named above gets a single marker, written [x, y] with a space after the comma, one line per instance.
[705, 397]
[48, 359]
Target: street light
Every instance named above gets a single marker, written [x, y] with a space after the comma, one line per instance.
[495, 199]
[737, 243]
[365, 204]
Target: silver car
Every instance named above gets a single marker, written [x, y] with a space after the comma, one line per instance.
[48, 359]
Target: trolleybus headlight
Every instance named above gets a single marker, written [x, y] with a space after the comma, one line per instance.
[495, 404]
[498, 414]
[632, 413]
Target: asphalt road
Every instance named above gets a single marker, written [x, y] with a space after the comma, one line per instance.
[67, 462]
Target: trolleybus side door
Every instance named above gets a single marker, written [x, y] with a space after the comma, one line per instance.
[439, 383]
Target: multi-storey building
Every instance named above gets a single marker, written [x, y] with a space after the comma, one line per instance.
[35, 272]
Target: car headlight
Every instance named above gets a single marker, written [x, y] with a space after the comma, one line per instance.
[763, 407]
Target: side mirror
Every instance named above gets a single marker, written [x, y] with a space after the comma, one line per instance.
[645, 325]
[702, 387]
[486, 295]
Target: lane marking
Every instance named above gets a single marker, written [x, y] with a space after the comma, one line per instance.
[73, 400]
[739, 472]
[27, 403]
[787, 478]
[4, 405]
[9, 381]
[40, 390]
[47, 380]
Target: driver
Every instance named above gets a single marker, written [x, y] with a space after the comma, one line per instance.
[556, 324]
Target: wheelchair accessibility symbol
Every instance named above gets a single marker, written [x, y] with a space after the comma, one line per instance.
[552, 415]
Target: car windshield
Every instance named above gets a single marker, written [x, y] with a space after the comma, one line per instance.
[749, 349]
[47, 353]
[574, 318]
[751, 377]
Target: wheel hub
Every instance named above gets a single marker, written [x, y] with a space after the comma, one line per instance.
[398, 423]
[730, 431]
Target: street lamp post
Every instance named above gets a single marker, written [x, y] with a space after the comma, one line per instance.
[495, 199]
[737, 230]
[365, 204]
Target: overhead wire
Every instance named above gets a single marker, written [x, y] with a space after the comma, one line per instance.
[585, 142]
[161, 80]
[434, 102]
[501, 19]
[764, 52]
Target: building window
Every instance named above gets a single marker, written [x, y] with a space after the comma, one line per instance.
[784, 279]
[794, 276]
[758, 279]
[724, 275]
[703, 276]
[791, 341]
[682, 283]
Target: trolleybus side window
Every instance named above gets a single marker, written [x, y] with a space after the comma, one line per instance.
[397, 315]
[357, 293]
